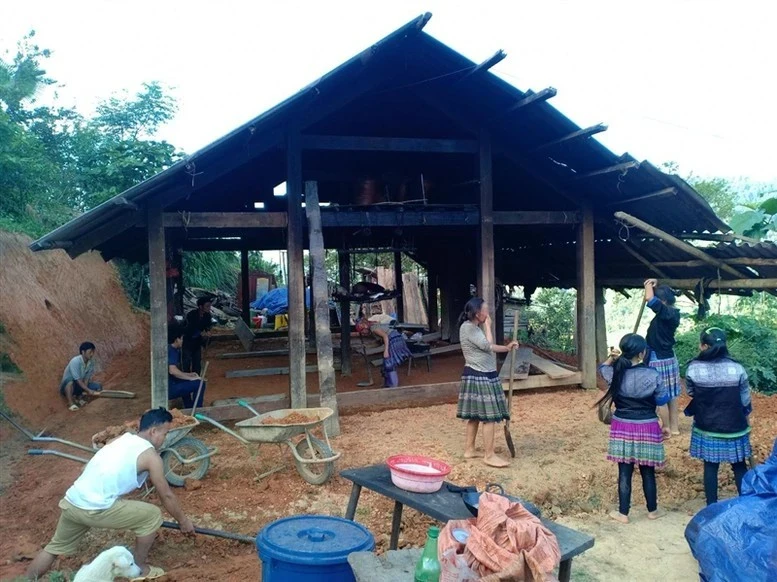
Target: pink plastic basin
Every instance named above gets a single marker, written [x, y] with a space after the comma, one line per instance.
[416, 473]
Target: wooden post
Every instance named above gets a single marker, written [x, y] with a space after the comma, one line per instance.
[319, 303]
[244, 288]
[586, 303]
[399, 286]
[601, 326]
[500, 322]
[433, 310]
[156, 273]
[296, 272]
[344, 264]
[486, 285]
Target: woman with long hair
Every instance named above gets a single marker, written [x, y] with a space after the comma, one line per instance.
[720, 408]
[481, 396]
[660, 339]
[635, 435]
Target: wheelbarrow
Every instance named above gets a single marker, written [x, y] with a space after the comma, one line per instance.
[313, 457]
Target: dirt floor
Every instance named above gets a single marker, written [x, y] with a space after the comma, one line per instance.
[560, 463]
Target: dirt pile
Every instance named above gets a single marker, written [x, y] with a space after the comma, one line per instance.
[50, 305]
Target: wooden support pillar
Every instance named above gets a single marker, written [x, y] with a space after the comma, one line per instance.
[244, 288]
[344, 264]
[296, 272]
[499, 336]
[319, 303]
[432, 309]
[399, 286]
[586, 302]
[156, 273]
[179, 287]
[486, 284]
[601, 326]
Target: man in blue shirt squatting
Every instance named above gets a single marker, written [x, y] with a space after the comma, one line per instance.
[181, 384]
[76, 379]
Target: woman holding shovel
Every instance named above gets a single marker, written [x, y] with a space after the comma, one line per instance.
[660, 339]
[481, 396]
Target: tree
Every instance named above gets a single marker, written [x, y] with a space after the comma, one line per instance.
[756, 219]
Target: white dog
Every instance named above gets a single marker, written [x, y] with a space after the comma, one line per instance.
[115, 562]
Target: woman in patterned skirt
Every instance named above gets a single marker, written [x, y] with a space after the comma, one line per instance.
[635, 435]
[720, 409]
[481, 396]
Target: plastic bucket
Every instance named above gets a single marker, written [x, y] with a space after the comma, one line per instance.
[311, 548]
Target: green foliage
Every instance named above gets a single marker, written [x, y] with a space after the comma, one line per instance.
[552, 319]
[211, 270]
[757, 219]
[752, 342]
[719, 193]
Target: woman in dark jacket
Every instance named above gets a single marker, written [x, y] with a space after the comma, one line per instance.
[720, 407]
[635, 435]
[660, 339]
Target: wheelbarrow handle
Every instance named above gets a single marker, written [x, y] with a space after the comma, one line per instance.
[245, 404]
[201, 417]
[57, 454]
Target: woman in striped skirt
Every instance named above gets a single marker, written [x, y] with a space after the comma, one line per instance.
[660, 339]
[635, 435]
[481, 396]
[720, 408]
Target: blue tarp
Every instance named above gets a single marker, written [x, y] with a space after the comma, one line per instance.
[277, 301]
[736, 540]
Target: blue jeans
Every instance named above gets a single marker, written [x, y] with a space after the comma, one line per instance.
[77, 390]
[186, 390]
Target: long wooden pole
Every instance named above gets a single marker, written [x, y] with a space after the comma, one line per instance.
[586, 303]
[486, 283]
[762, 284]
[245, 307]
[649, 265]
[157, 273]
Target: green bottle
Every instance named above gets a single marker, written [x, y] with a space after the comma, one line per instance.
[428, 567]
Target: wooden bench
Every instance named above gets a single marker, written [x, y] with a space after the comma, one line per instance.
[445, 505]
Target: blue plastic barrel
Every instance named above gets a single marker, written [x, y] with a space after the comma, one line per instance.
[311, 548]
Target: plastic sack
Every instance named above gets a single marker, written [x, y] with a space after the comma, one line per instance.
[736, 540]
[454, 568]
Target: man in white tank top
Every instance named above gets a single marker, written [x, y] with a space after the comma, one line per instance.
[94, 499]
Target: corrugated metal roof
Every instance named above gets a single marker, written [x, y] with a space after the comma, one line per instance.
[425, 65]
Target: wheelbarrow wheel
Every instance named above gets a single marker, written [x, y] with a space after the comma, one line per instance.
[314, 473]
[176, 472]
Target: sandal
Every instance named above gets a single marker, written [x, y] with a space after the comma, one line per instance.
[154, 572]
[73, 407]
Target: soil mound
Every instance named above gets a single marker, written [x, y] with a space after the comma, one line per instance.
[50, 304]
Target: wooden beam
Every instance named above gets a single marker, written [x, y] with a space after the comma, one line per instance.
[244, 288]
[575, 135]
[279, 371]
[332, 217]
[527, 217]
[745, 261]
[486, 272]
[618, 282]
[490, 62]
[388, 144]
[344, 266]
[671, 191]
[296, 271]
[432, 308]
[718, 237]
[399, 286]
[601, 325]
[677, 243]
[623, 167]
[586, 302]
[320, 305]
[157, 272]
[649, 265]
[531, 97]
[226, 220]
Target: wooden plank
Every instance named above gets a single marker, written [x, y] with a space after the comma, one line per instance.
[244, 288]
[575, 135]
[553, 371]
[432, 352]
[399, 285]
[609, 170]
[259, 354]
[586, 302]
[601, 326]
[486, 276]
[320, 305]
[627, 246]
[746, 261]
[280, 371]
[157, 271]
[391, 144]
[532, 97]
[270, 399]
[478, 70]
[344, 266]
[671, 191]
[523, 360]
[332, 217]
[723, 284]
[517, 217]
[296, 271]
[244, 334]
[226, 220]
[544, 381]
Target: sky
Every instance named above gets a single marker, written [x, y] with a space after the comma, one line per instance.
[683, 80]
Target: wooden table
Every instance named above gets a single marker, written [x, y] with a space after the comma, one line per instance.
[445, 505]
